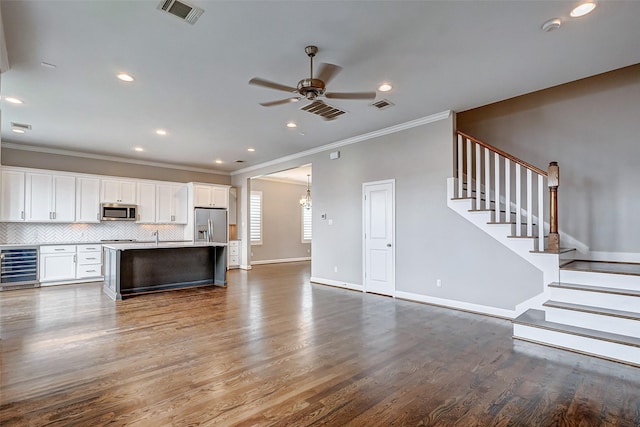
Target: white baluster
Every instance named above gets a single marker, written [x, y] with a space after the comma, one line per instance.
[540, 214]
[469, 168]
[507, 190]
[478, 176]
[529, 205]
[496, 186]
[518, 202]
[460, 164]
[487, 180]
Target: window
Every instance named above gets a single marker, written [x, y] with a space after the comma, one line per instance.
[306, 225]
[255, 218]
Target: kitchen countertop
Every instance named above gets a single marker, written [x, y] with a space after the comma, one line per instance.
[92, 242]
[161, 245]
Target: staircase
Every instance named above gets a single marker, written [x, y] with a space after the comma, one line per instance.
[588, 307]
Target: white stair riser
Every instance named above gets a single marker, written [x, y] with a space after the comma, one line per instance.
[623, 281]
[614, 325]
[592, 346]
[595, 299]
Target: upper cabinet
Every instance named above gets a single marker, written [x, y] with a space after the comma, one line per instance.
[12, 197]
[50, 197]
[171, 204]
[118, 191]
[87, 199]
[210, 196]
[146, 203]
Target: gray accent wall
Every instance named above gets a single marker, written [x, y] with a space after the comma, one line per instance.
[59, 162]
[281, 220]
[432, 241]
[592, 128]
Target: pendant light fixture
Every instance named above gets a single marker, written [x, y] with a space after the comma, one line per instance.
[305, 201]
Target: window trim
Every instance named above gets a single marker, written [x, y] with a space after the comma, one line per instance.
[302, 223]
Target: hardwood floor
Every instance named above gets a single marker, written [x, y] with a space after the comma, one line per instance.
[272, 349]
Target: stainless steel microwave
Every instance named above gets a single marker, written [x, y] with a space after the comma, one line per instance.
[117, 212]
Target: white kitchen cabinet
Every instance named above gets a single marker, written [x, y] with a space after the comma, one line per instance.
[234, 253]
[87, 200]
[50, 198]
[57, 263]
[146, 203]
[171, 203]
[12, 196]
[89, 261]
[210, 196]
[118, 191]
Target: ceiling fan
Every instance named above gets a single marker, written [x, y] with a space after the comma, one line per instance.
[311, 88]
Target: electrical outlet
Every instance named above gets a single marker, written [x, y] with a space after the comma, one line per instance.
[335, 268]
[439, 283]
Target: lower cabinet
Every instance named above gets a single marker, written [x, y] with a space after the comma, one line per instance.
[69, 263]
[234, 254]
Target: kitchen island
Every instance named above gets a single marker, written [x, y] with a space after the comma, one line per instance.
[131, 269]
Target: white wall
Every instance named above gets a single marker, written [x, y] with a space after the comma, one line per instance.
[591, 128]
[432, 242]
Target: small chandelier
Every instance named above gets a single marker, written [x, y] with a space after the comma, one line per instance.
[305, 201]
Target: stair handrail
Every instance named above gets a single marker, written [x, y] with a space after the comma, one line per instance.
[503, 154]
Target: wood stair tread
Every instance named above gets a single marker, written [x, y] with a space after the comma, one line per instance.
[591, 288]
[535, 318]
[593, 310]
[624, 268]
[561, 251]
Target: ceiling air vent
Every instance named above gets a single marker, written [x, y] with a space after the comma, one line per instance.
[20, 126]
[323, 110]
[182, 10]
[382, 104]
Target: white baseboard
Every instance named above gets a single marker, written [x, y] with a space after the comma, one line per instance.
[245, 267]
[337, 284]
[277, 261]
[458, 305]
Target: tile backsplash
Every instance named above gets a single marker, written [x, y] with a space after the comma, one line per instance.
[12, 232]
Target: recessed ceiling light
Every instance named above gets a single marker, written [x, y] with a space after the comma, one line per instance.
[291, 125]
[218, 161]
[16, 130]
[583, 9]
[125, 77]
[14, 100]
[139, 149]
[251, 150]
[161, 132]
[385, 87]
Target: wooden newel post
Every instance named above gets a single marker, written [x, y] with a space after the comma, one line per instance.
[553, 180]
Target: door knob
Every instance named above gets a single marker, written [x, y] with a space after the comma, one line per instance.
[388, 245]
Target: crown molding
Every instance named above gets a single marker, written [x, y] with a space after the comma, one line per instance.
[23, 147]
[364, 137]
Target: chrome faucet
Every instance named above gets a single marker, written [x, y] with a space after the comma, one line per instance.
[157, 236]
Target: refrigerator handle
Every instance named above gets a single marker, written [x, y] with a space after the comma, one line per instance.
[210, 227]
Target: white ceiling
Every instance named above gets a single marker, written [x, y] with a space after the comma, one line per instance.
[193, 80]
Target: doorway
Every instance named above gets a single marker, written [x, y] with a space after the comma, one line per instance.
[379, 237]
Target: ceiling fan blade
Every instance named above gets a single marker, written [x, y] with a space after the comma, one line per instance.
[326, 72]
[350, 95]
[280, 102]
[271, 85]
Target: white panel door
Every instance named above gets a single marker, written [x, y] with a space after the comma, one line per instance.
[146, 203]
[379, 227]
[12, 199]
[38, 197]
[88, 200]
[64, 198]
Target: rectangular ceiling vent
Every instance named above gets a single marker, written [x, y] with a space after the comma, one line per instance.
[323, 110]
[20, 126]
[382, 104]
[182, 10]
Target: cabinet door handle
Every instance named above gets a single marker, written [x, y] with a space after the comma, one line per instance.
[91, 271]
[173, 217]
[21, 214]
[75, 258]
[90, 258]
[58, 249]
[54, 215]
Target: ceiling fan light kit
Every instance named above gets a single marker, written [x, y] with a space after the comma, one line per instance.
[313, 87]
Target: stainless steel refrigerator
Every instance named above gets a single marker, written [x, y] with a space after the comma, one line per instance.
[210, 225]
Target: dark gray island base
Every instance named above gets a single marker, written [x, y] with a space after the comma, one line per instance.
[131, 269]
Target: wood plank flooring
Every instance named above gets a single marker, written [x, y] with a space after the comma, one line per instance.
[273, 349]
